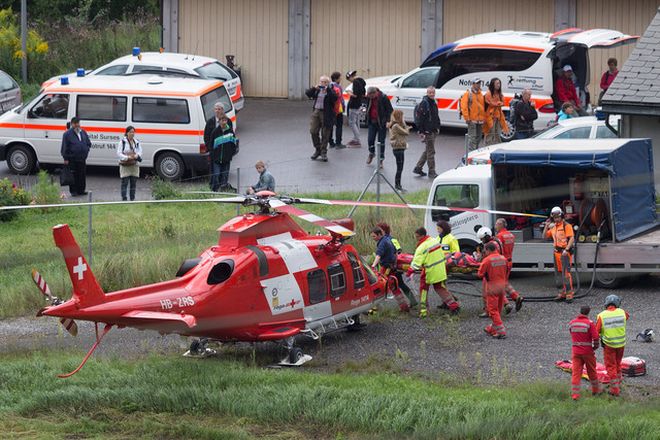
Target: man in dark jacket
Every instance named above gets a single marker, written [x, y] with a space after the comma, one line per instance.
[354, 104]
[75, 149]
[379, 111]
[525, 115]
[323, 117]
[220, 128]
[429, 126]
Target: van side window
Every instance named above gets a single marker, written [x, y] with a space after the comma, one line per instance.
[464, 62]
[101, 108]
[161, 110]
[459, 196]
[54, 106]
[421, 79]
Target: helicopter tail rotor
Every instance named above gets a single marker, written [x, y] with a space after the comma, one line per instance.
[68, 324]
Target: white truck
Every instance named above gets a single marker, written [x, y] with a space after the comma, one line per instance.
[605, 184]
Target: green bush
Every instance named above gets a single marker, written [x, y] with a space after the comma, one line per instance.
[162, 189]
[11, 195]
[10, 45]
[46, 192]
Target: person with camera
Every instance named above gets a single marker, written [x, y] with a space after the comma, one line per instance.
[129, 152]
[563, 239]
[323, 117]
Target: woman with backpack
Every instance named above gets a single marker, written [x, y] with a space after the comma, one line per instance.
[399, 140]
[129, 153]
[495, 122]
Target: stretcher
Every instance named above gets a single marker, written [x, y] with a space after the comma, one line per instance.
[631, 366]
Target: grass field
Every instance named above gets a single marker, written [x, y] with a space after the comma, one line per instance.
[172, 397]
[141, 244]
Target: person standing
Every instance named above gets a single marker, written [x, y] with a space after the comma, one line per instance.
[449, 242]
[323, 117]
[611, 326]
[430, 260]
[473, 112]
[495, 122]
[608, 77]
[74, 150]
[224, 149]
[379, 110]
[429, 127]
[218, 125]
[525, 115]
[354, 105]
[266, 180]
[493, 271]
[385, 263]
[129, 152]
[399, 140]
[340, 105]
[399, 276]
[584, 338]
[508, 242]
[566, 91]
[563, 239]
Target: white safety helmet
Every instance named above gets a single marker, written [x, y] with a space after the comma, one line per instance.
[484, 232]
[556, 210]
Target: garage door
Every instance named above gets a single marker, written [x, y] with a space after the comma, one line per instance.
[255, 31]
[374, 37]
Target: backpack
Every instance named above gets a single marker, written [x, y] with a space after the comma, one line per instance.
[460, 112]
[420, 113]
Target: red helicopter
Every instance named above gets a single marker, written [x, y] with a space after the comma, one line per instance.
[266, 280]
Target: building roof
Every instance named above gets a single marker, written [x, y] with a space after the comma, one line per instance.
[636, 89]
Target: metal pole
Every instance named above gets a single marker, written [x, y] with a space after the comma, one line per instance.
[24, 40]
[238, 188]
[378, 163]
[89, 230]
[466, 149]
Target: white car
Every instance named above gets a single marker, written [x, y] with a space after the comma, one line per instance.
[521, 60]
[586, 127]
[174, 64]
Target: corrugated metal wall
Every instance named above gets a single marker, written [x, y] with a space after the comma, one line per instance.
[374, 37]
[256, 31]
[628, 17]
[464, 18]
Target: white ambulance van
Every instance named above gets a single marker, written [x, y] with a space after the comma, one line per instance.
[519, 59]
[169, 115]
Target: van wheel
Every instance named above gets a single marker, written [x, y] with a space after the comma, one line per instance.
[609, 280]
[506, 137]
[21, 159]
[170, 166]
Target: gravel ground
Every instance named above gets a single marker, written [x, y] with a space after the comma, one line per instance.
[435, 347]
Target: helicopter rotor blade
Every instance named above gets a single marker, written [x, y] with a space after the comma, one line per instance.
[415, 206]
[330, 226]
[68, 323]
[235, 199]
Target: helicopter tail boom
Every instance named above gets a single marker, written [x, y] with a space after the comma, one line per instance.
[86, 290]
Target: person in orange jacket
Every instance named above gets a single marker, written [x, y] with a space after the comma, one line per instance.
[493, 270]
[611, 325]
[585, 339]
[473, 112]
[495, 122]
[563, 239]
[508, 242]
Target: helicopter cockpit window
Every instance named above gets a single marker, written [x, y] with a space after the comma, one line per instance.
[337, 280]
[371, 276]
[220, 272]
[318, 286]
[358, 276]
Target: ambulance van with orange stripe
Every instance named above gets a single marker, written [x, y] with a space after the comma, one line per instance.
[169, 115]
[520, 60]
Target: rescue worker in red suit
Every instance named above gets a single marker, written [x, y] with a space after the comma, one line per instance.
[508, 242]
[430, 260]
[485, 235]
[585, 340]
[386, 262]
[563, 239]
[565, 90]
[611, 325]
[493, 270]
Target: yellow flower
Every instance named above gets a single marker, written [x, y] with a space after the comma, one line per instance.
[42, 48]
[19, 54]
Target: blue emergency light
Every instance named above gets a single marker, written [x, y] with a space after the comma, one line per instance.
[64, 80]
[136, 51]
[600, 114]
[80, 72]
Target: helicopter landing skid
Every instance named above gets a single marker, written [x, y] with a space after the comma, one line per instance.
[286, 361]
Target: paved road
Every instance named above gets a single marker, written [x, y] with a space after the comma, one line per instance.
[276, 131]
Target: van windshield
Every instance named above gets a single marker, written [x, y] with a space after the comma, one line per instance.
[218, 94]
[454, 195]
